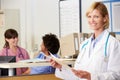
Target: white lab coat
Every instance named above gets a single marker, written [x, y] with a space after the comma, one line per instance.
[96, 64]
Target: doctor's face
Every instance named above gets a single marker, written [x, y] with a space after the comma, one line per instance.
[96, 20]
[12, 41]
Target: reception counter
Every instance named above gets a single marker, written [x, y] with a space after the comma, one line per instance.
[32, 77]
[11, 66]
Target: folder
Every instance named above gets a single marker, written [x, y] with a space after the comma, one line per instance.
[69, 45]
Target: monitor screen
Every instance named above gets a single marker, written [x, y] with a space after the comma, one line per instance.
[6, 59]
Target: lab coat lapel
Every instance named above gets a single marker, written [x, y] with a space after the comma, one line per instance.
[88, 47]
[86, 54]
[85, 50]
[83, 60]
[100, 46]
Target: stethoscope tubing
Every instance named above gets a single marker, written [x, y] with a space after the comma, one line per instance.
[105, 49]
[20, 53]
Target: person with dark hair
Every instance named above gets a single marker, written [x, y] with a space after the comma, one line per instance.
[50, 44]
[11, 48]
[99, 57]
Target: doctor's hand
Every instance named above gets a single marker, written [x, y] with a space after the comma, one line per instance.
[55, 64]
[82, 74]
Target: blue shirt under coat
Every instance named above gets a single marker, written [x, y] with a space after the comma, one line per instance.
[42, 69]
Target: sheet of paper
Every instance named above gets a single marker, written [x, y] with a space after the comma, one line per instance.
[66, 74]
[33, 60]
[60, 61]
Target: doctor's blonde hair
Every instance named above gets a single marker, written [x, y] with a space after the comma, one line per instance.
[103, 10]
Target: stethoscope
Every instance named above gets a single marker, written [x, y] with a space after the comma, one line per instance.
[20, 55]
[105, 48]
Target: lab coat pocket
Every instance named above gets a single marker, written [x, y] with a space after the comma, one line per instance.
[101, 64]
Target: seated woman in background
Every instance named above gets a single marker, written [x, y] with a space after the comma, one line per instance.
[50, 44]
[11, 48]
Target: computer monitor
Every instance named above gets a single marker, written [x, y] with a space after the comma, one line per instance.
[7, 59]
[69, 45]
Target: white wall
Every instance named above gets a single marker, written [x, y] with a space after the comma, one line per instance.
[8, 23]
[37, 17]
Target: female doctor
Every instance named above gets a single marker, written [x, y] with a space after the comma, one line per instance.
[99, 55]
[11, 48]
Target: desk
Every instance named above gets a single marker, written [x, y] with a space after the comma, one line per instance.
[10, 66]
[32, 77]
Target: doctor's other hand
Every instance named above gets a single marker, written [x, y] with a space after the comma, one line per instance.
[55, 64]
[82, 74]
